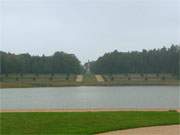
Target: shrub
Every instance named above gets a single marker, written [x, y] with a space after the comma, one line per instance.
[112, 78]
[17, 79]
[171, 110]
[104, 77]
[1, 79]
[163, 78]
[34, 78]
[67, 77]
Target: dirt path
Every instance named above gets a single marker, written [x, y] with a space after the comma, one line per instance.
[79, 78]
[99, 78]
[156, 130]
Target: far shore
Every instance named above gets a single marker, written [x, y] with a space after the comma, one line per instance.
[43, 80]
[74, 84]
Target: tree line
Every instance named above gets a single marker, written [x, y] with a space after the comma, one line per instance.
[164, 60]
[59, 62]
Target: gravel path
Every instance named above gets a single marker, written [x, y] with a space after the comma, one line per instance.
[156, 130]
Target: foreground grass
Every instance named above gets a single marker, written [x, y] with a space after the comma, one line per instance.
[81, 123]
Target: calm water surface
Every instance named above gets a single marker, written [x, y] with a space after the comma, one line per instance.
[91, 97]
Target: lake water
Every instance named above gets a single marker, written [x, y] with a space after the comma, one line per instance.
[91, 97]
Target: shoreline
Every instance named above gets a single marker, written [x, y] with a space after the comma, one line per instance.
[92, 110]
[131, 85]
[104, 84]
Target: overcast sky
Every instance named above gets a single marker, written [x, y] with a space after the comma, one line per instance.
[87, 28]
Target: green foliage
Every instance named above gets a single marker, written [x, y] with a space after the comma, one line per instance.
[1, 79]
[153, 61]
[17, 79]
[112, 78]
[105, 78]
[67, 77]
[34, 78]
[60, 62]
[163, 78]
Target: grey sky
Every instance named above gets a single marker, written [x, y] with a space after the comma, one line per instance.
[87, 28]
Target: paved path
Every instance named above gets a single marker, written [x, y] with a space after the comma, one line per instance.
[79, 78]
[156, 130]
[99, 78]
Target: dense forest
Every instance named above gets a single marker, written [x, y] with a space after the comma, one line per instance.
[165, 60]
[60, 62]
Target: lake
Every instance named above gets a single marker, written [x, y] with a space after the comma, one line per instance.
[91, 97]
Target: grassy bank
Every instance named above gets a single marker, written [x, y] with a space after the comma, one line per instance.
[81, 123]
[59, 80]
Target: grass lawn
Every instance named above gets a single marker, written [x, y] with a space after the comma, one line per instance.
[81, 123]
